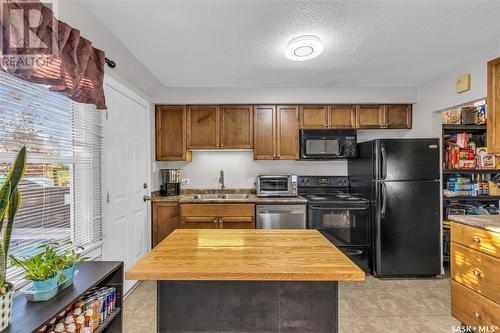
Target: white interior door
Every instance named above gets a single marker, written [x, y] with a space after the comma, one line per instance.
[126, 177]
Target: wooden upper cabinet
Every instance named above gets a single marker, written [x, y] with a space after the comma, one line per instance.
[313, 116]
[203, 126]
[342, 116]
[369, 116]
[287, 132]
[236, 129]
[171, 133]
[398, 116]
[493, 103]
[264, 143]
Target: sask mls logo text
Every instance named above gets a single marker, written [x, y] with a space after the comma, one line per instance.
[474, 329]
[29, 35]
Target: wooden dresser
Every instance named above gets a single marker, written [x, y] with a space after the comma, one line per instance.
[475, 272]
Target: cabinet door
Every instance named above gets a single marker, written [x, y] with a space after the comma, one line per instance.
[313, 116]
[287, 128]
[236, 122]
[199, 222]
[235, 222]
[369, 116]
[397, 116]
[171, 133]
[264, 138]
[493, 102]
[203, 126]
[342, 116]
[165, 220]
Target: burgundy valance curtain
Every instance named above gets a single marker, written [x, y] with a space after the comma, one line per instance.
[38, 48]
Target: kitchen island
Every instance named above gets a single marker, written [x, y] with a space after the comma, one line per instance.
[246, 280]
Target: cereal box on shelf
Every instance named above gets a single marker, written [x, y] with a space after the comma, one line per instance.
[451, 117]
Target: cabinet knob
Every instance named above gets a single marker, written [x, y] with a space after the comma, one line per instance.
[476, 239]
[476, 273]
[215, 220]
[278, 157]
[325, 125]
[477, 315]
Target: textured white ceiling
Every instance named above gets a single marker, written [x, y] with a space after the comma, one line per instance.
[240, 43]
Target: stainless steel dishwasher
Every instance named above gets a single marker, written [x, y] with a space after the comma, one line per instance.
[281, 216]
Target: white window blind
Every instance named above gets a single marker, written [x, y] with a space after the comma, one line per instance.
[61, 189]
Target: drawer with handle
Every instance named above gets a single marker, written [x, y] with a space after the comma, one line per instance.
[476, 270]
[471, 308]
[482, 240]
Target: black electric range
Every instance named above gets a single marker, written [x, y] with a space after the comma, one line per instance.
[342, 217]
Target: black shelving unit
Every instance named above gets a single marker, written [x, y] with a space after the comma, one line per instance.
[452, 128]
[31, 316]
[469, 171]
[473, 198]
[478, 133]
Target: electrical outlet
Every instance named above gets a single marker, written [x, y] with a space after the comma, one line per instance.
[186, 181]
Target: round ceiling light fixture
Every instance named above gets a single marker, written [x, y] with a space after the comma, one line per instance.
[304, 48]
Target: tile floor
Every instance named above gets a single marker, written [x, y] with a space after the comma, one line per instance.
[408, 305]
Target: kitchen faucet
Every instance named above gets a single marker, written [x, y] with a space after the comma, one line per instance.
[221, 183]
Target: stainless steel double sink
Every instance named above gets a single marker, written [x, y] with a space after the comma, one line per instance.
[215, 196]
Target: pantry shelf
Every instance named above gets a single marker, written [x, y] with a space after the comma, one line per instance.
[470, 171]
[473, 198]
[463, 128]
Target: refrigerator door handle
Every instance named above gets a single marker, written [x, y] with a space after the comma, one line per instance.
[384, 200]
[384, 161]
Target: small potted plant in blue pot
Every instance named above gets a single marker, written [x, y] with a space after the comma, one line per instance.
[70, 257]
[41, 272]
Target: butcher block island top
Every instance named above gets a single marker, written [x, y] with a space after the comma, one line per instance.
[245, 255]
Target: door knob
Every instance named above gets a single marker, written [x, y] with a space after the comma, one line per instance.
[146, 198]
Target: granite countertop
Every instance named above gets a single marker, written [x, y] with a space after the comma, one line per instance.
[486, 222]
[188, 198]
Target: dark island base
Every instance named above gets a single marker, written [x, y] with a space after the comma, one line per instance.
[247, 306]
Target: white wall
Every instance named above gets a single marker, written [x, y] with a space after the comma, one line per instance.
[129, 71]
[286, 95]
[439, 94]
[240, 168]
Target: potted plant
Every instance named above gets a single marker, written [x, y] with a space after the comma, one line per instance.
[39, 269]
[70, 257]
[10, 200]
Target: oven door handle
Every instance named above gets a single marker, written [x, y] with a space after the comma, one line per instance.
[338, 208]
[354, 252]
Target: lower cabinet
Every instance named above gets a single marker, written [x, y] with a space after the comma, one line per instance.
[165, 220]
[475, 268]
[217, 216]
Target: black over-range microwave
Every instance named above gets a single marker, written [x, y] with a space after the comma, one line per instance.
[327, 144]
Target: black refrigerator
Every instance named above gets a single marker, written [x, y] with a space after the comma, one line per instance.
[400, 177]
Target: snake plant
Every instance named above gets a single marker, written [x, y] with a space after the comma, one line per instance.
[10, 200]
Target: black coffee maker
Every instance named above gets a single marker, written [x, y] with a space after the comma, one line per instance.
[170, 182]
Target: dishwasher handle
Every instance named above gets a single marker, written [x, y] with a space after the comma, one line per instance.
[270, 211]
[281, 209]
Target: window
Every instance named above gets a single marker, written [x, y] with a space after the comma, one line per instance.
[61, 189]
